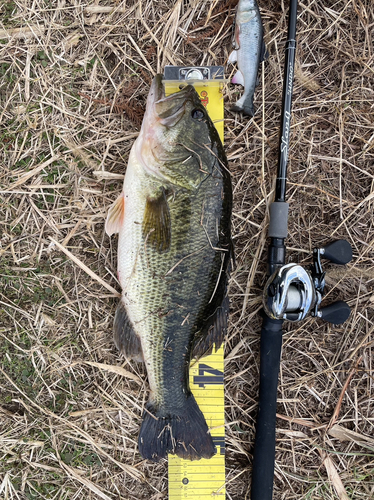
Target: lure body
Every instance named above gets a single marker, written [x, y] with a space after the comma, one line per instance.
[249, 51]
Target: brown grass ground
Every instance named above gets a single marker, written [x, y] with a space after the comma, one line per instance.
[73, 82]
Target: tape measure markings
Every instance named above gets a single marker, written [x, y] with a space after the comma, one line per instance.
[204, 479]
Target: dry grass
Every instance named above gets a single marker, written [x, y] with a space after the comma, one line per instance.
[73, 83]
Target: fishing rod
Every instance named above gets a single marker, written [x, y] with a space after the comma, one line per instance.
[291, 292]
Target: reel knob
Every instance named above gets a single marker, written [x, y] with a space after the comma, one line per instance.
[338, 252]
[335, 313]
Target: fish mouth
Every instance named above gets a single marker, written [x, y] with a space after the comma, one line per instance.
[169, 109]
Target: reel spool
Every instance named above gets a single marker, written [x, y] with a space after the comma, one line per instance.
[292, 292]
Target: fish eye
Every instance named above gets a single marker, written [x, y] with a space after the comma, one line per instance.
[197, 114]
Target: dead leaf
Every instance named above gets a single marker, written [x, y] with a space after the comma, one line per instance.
[76, 474]
[48, 320]
[28, 32]
[294, 434]
[343, 434]
[115, 369]
[335, 479]
[72, 40]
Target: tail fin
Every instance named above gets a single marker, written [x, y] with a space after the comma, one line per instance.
[184, 433]
[249, 110]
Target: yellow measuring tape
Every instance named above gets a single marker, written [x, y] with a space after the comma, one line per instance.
[203, 479]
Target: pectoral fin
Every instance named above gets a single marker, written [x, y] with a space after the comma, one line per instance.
[233, 57]
[115, 216]
[156, 222]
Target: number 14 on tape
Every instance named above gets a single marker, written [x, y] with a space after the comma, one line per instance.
[204, 479]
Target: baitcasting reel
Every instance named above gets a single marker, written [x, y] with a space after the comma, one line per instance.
[293, 292]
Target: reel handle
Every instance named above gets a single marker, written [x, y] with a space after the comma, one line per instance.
[335, 313]
[338, 252]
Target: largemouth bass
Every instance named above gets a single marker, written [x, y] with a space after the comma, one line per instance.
[249, 51]
[174, 249]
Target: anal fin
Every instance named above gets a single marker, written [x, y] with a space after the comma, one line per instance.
[125, 337]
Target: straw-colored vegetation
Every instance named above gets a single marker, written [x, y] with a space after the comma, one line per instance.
[74, 77]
